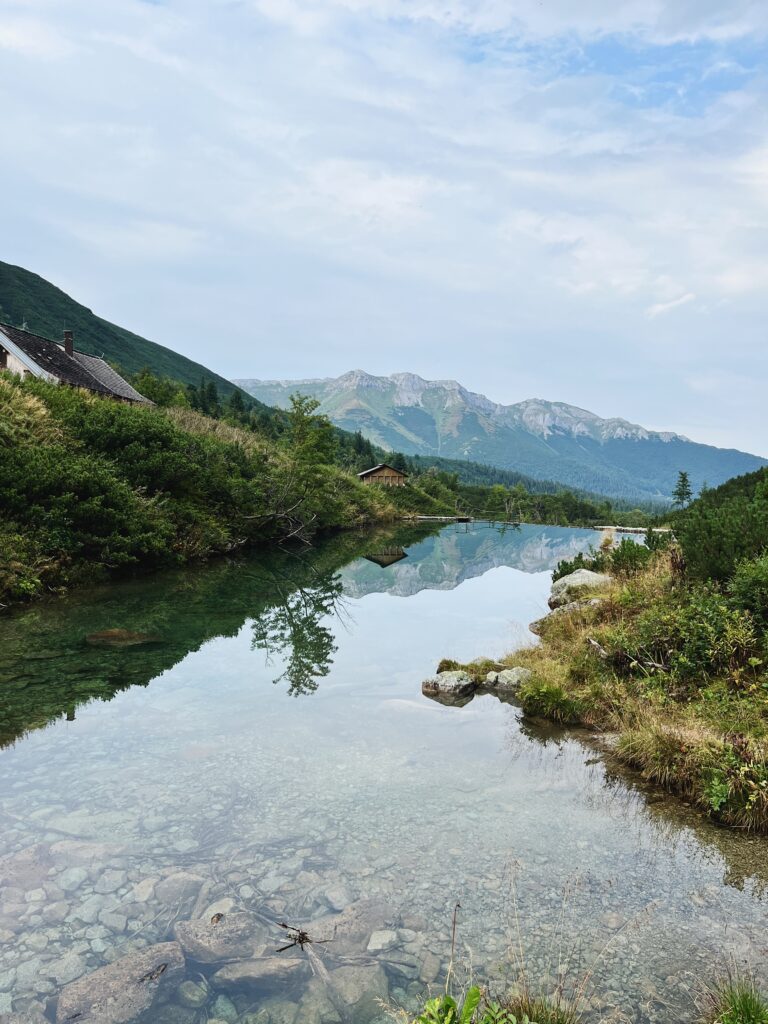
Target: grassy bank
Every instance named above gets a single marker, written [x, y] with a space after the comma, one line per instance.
[677, 673]
[91, 488]
[671, 657]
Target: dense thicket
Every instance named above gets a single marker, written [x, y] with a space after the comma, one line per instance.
[725, 526]
[89, 486]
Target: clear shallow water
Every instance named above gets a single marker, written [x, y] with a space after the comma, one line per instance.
[203, 779]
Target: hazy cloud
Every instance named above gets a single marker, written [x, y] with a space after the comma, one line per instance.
[534, 198]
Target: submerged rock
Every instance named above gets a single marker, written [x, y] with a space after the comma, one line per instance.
[567, 588]
[120, 638]
[120, 992]
[450, 687]
[261, 972]
[192, 994]
[234, 937]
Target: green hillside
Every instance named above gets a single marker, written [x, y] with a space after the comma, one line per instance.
[28, 298]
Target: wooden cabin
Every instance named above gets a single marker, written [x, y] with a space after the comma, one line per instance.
[387, 557]
[385, 475]
[26, 354]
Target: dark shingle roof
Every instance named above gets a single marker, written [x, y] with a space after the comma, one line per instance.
[79, 370]
[110, 378]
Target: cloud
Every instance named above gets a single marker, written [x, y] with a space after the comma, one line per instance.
[494, 192]
[660, 308]
[29, 37]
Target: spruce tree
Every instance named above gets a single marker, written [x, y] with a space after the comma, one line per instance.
[682, 494]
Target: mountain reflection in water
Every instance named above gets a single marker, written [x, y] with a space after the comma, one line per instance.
[361, 790]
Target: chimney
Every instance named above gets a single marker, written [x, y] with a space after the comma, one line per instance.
[69, 345]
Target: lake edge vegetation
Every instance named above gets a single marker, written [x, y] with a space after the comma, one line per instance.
[670, 657]
[92, 489]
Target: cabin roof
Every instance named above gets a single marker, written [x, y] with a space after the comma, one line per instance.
[80, 370]
[110, 378]
[381, 465]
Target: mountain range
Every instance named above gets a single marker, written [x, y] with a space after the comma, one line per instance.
[543, 439]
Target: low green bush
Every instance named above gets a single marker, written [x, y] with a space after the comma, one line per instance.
[749, 587]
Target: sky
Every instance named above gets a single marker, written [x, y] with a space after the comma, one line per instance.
[534, 197]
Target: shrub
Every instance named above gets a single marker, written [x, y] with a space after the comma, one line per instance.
[749, 587]
[693, 635]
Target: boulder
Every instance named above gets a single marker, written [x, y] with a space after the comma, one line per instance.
[179, 890]
[122, 991]
[28, 869]
[570, 587]
[269, 971]
[359, 991]
[348, 933]
[192, 994]
[450, 687]
[511, 679]
[234, 937]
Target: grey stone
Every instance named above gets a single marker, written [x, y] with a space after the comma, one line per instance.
[110, 881]
[66, 969]
[71, 879]
[122, 991]
[351, 930]
[224, 1009]
[89, 910]
[179, 890]
[261, 972]
[115, 922]
[236, 937]
[380, 940]
[567, 588]
[511, 679]
[189, 993]
[142, 891]
[54, 913]
[26, 1017]
[27, 869]
[361, 989]
[449, 688]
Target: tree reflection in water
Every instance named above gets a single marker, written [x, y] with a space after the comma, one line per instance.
[297, 628]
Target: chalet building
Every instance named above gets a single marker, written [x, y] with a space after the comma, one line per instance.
[387, 556]
[385, 475]
[27, 354]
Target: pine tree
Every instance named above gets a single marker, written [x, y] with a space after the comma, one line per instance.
[682, 494]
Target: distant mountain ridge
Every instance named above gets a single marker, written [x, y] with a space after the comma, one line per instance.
[545, 440]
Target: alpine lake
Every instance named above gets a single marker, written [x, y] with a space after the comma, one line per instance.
[249, 752]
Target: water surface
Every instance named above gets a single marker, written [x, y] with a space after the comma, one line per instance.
[271, 745]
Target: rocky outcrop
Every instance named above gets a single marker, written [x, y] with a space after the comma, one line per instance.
[450, 687]
[569, 588]
[457, 688]
[120, 992]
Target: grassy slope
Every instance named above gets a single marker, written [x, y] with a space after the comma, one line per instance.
[47, 310]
